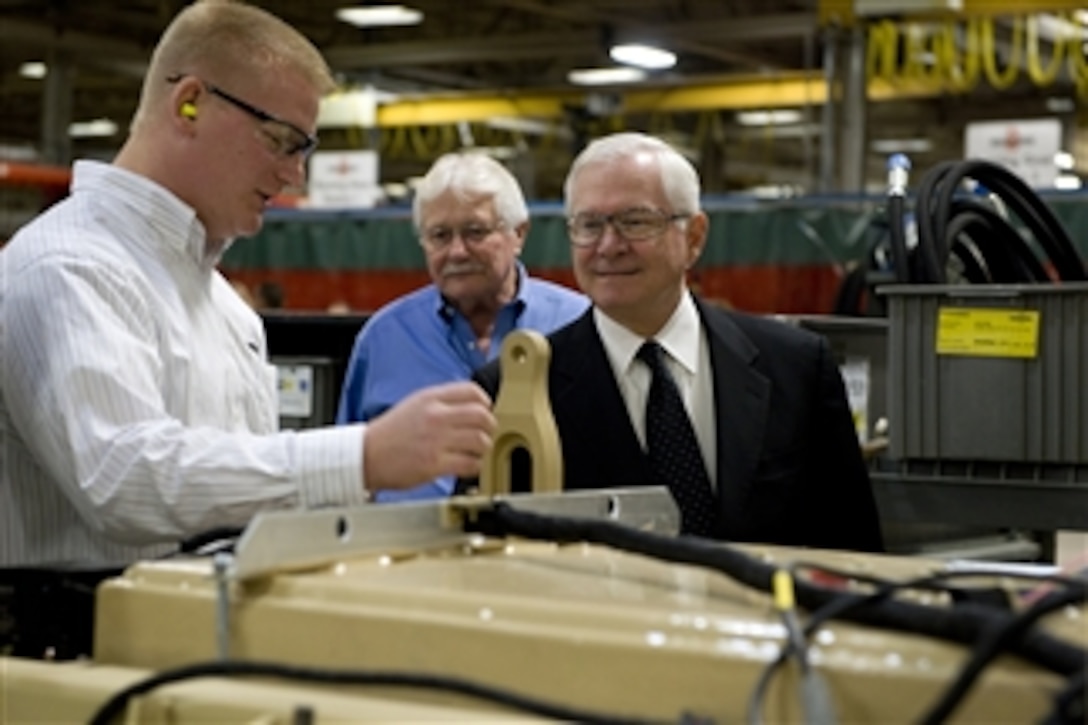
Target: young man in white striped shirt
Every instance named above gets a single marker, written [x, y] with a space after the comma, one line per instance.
[137, 406]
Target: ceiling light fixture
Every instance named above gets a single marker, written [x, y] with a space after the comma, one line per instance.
[768, 118]
[642, 56]
[375, 16]
[1068, 182]
[901, 145]
[867, 8]
[1060, 104]
[34, 69]
[1064, 160]
[605, 76]
[98, 128]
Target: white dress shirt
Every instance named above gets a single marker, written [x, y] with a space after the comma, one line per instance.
[688, 360]
[137, 406]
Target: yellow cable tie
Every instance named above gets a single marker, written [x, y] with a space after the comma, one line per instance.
[783, 590]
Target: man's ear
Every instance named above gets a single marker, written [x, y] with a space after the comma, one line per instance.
[522, 233]
[695, 234]
[185, 99]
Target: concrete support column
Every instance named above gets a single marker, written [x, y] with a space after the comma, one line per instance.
[56, 145]
[843, 139]
[829, 136]
[854, 126]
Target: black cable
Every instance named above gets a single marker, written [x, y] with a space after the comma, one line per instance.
[239, 668]
[962, 624]
[992, 645]
[938, 205]
[929, 254]
[1005, 246]
[816, 700]
[1026, 205]
[836, 608]
[897, 239]
[1071, 704]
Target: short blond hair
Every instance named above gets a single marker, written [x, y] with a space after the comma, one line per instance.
[217, 36]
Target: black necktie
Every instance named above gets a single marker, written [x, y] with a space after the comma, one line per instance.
[673, 450]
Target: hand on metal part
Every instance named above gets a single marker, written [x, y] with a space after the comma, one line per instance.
[437, 431]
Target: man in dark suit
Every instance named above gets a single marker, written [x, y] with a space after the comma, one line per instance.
[777, 458]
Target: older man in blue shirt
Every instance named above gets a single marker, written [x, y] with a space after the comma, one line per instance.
[472, 221]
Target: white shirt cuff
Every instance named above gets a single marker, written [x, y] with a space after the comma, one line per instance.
[330, 466]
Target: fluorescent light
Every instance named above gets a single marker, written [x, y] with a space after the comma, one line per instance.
[1067, 181]
[33, 69]
[767, 118]
[528, 126]
[775, 191]
[866, 8]
[1064, 160]
[1060, 104]
[380, 15]
[18, 152]
[605, 76]
[902, 145]
[98, 128]
[395, 189]
[642, 56]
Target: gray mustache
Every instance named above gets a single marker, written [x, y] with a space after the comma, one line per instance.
[454, 268]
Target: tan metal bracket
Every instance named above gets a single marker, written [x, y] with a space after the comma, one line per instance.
[525, 418]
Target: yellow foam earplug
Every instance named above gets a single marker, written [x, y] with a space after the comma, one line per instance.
[188, 110]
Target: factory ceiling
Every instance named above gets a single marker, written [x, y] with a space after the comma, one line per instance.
[458, 78]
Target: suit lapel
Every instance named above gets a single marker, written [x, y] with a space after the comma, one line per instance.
[603, 449]
[741, 399]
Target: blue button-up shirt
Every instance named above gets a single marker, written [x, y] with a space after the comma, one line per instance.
[420, 340]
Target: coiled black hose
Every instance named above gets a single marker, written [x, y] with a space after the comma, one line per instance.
[990, 247]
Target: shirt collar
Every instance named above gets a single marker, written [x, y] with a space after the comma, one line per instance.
[679, 337]
[174, 222]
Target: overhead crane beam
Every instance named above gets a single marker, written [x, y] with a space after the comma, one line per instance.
[781, 91]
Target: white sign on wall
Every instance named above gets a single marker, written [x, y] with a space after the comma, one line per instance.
[1025, 147]
[296, 390]
[344, 179]
[855, 376]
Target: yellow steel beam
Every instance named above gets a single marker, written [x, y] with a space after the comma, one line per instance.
[841, 12]
[796, 89]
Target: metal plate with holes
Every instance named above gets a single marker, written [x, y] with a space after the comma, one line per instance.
[276, 541]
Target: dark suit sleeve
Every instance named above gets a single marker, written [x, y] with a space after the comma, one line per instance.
[487, 377]
[845, 511]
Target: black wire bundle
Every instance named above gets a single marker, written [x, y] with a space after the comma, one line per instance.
[985, 650]
[989, 247]
[248, 668]
[992, 629]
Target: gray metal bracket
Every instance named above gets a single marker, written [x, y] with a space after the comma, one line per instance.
[280, 540]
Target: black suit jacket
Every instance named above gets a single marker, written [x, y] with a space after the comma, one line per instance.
[789, 467]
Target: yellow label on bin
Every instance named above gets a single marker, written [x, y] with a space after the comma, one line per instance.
[987, 332]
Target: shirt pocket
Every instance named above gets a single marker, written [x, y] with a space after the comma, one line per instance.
[252, 397]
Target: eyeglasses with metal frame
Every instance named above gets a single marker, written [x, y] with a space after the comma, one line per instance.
[439, 238]
[632, 225]
[284, 137]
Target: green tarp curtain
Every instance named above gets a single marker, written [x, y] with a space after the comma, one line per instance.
[747, 233]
